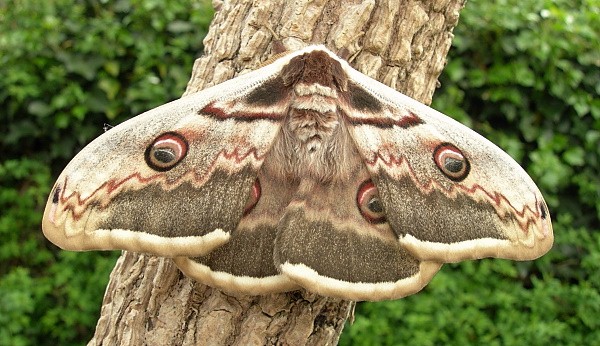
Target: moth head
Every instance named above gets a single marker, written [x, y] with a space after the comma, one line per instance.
[451, 162]
[166, 151]
[369, 204]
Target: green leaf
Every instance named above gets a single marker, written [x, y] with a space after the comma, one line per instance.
[575, 156]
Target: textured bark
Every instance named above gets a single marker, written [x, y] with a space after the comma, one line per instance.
[401, 43]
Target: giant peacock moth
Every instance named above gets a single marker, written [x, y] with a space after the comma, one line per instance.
[303, 173]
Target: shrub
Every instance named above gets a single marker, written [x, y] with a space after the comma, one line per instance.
[526, 75]
[68, 67]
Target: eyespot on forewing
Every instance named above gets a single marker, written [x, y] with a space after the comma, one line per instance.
[166, 151]
[451, 162]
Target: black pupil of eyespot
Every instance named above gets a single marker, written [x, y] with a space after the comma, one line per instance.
[453, 165]
[375, 206]
[164, 155]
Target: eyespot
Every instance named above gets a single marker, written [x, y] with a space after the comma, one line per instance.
[451, 161]
[369, 203]
[166, 151]
[253, 198]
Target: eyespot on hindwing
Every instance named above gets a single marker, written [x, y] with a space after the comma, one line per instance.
[369, 204]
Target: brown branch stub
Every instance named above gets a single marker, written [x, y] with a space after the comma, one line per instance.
[402, 43]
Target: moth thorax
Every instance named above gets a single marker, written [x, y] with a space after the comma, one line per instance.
[321, 154]
[314, 90]
[313, 116]
[312, 128]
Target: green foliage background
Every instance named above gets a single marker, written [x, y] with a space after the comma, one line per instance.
[523, 73]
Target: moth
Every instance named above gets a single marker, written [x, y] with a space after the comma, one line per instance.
[304, 173]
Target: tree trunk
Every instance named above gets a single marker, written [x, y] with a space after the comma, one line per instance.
[401, 43]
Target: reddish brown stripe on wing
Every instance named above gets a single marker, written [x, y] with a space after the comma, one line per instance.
[525, 215]
[74, 201]
[214, 111]
[461, 218]
[202, 206]
[404, 122]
